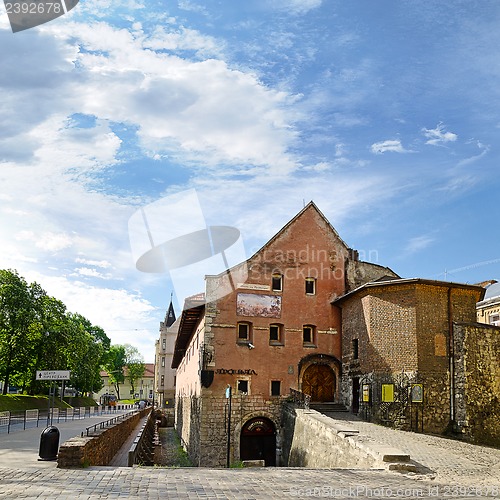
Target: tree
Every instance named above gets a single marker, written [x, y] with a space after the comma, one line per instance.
[90, 346]
[115, 361]
[135, 365]
[17, 313]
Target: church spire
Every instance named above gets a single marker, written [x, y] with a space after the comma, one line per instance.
[170, 316]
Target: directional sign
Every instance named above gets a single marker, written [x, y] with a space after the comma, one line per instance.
[52, 374]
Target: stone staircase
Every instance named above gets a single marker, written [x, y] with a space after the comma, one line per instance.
[327, 408]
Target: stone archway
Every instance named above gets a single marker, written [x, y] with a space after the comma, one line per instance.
[319, 381]
[258, 441]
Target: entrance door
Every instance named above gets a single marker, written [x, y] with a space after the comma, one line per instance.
[319, 382]
[258, 441]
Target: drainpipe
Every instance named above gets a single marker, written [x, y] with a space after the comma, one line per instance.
[452, 358]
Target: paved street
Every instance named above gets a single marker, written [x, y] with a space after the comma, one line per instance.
[459, 471]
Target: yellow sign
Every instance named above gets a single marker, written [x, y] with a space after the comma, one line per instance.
[388, 393]
[366, 393]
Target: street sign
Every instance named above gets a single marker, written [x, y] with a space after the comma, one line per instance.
[52, 374]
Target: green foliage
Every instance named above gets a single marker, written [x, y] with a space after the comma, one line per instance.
[135, 365]
[114, 363]
[20, 402]
[37, 333]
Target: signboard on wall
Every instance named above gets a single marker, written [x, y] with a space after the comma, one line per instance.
[388, 393]
[253, 304]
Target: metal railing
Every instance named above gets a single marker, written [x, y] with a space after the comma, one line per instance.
[142, 449]
[16, 421]
[300, 399]
[108, 423]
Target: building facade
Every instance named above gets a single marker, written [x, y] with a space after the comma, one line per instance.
[399, 361]
[488, 310]
[275, 332]
[164, 384]
[143, 388]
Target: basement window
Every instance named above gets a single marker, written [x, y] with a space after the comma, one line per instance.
[242, 386]
[275, 388]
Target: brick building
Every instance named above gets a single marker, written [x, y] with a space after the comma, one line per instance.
[274, 332]
[310, 316]
[399, 335]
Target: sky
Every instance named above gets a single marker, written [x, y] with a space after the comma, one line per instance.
[228, 113]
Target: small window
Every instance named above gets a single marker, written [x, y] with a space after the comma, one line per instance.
[308, 334]
[164, 344]
[162, 380]
[355, 348]
[310, 286]
[243, 386]
[495, 319]
[277, 283]
[163, 361]
[275, 388]
[243, 332]
[275, 334]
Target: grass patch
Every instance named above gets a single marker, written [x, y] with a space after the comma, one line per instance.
[21, 402]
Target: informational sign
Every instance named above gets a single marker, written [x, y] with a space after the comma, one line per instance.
[53, 374]
[366, 393]
[417, 393]
[388, 393]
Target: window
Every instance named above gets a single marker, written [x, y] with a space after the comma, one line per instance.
[243, 386]
[275, 388]
[495, 319]
[164, 344]
[244, 332]
[310, 286]
[162, 380]
[355, 348]
[163, 361]
[308, 334]
[277, 282]
[276, 334]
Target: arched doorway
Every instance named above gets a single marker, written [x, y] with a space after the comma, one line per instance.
[319, 382]
[258, 441]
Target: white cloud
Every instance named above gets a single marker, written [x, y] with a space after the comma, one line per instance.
[439, 136]
[418, 243]
[393, 146]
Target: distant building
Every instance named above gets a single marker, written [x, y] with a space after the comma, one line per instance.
[143, 388]
[164, 352]
[488, 310]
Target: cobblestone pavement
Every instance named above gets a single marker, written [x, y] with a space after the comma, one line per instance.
[447, 460]
[195, 483]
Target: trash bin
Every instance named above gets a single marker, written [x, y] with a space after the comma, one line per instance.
[49, 443]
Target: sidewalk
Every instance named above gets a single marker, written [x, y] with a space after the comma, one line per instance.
[439, 457]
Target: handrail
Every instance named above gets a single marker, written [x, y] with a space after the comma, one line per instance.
[111, 421]
[142, 449]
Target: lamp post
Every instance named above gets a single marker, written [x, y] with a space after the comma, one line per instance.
[228, 396]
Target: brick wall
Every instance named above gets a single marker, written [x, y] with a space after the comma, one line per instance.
[100, 447]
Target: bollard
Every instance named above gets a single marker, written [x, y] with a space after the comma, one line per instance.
[49, 443]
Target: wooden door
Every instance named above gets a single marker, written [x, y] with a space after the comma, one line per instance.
[319, 382]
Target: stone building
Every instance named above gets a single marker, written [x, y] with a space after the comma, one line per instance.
[398, 336]
[273, 332]
[164, 384]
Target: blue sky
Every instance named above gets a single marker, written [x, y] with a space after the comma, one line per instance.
[385, 113]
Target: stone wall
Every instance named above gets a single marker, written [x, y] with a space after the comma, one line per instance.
[201, 422]
[477, 382]
[313, 440]
[100, 447]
